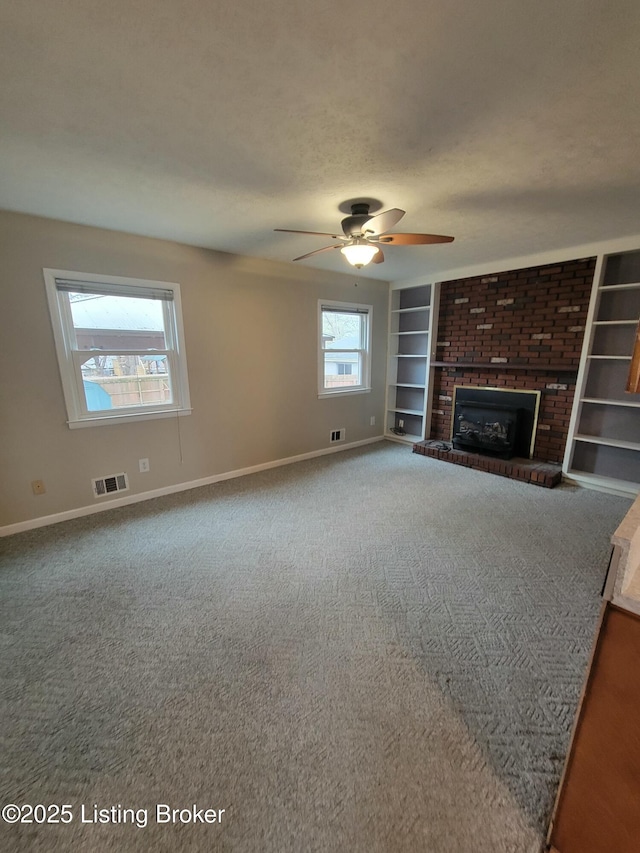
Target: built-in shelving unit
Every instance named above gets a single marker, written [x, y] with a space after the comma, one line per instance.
[413, 318]
[604, 434]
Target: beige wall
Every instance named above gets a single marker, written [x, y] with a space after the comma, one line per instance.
[250, 329]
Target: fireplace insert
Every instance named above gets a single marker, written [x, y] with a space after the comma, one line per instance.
[480, 408]
[486, 427]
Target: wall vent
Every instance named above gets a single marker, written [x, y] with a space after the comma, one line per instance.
[108, 485]
[337, 435]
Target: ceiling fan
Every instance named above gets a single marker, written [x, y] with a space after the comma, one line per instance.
[364, 236]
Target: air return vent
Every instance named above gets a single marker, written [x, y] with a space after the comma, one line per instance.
[108, 485]
[337, 435]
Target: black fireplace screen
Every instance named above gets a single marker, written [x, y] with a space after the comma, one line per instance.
[488, 427]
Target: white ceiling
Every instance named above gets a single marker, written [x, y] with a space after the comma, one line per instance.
[513, 126]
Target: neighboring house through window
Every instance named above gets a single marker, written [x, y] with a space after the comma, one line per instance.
[344, 363]
[120, 347]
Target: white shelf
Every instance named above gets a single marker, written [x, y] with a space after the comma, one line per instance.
[612, 357]
[417, 332]
[406, 385]
[410, 355]
[401, 411]
[609, 442]
[410, 310]
[602, 401]
[606, 484]
[407, 438]
[605, 287]
[616, 322]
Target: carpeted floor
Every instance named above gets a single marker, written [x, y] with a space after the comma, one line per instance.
[371, 651]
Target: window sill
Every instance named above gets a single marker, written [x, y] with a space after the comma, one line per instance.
[344, 392]
[106, 420]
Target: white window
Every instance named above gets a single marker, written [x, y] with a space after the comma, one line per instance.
[120, 347]
[344, 363]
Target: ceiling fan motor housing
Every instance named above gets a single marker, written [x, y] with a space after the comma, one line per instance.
[352, 225]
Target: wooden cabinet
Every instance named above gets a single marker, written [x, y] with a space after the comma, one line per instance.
[598, 805]
[413, 319]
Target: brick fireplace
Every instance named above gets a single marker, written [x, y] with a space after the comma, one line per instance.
[521, 329]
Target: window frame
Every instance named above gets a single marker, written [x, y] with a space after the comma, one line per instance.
[366, 311]
[70, 358]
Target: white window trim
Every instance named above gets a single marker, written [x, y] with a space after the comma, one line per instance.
[365, 387]
[77, 413]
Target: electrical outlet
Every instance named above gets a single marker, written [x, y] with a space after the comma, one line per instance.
[37, 487]
[401, 423]
[372, 420]
[143, 465]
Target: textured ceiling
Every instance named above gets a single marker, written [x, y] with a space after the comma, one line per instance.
[513, 126]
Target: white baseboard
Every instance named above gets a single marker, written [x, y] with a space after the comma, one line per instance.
[43, 521]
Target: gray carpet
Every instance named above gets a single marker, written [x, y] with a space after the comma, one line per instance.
[371, 651]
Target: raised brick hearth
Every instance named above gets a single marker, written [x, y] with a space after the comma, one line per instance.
[528, 470]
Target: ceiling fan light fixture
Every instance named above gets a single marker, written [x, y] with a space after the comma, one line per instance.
[359, 253]
[365, 236]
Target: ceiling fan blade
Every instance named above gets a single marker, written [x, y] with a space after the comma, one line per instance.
[378, 258]
[382, 222]
[319, 233]
[318, 251]
[413, 239]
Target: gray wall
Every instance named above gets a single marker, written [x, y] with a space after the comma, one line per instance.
[251, 338]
